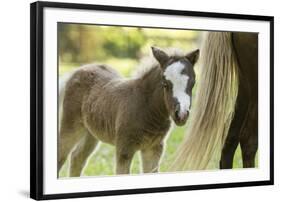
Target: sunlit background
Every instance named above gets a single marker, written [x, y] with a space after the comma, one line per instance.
[122, 48]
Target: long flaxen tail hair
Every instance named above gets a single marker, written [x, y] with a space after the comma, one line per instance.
[214, 104]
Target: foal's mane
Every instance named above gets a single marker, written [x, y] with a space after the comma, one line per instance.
[149, 63]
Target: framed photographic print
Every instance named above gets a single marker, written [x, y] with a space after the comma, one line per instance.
[136, 100]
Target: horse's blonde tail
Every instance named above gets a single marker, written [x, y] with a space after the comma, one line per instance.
[214, 104]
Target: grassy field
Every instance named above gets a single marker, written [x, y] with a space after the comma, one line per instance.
[102, 161]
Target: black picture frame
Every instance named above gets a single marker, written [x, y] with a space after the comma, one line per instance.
[37, 98]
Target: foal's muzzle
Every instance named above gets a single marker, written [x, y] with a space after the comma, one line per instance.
[181, 117]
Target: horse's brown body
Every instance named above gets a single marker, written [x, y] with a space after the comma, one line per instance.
[244, 126]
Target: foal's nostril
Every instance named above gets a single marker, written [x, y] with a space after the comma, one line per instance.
[177, 110]
[177, 115]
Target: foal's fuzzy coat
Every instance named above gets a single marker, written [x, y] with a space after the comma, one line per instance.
[99, 104]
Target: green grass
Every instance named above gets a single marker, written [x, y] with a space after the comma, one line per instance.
[102, 162]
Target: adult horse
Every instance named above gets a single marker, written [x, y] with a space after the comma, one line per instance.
[225, 111]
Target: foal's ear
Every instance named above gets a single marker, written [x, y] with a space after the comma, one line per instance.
[160, 55]
[193, 56]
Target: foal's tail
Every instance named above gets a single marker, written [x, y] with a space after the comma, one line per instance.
[62, 84]
[213, 106]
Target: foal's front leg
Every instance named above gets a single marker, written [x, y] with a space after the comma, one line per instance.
[151, 158]
[124, 156]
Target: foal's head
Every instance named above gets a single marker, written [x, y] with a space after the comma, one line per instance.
[178, 80]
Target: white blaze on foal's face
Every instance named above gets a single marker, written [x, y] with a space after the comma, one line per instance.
[173, 73]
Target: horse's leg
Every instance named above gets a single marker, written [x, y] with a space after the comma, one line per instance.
[81, 153]
[151, 158]
[229, 149]
[69, 136]
[249, 140]
[124, 156]
[246, 46]
[236, 125]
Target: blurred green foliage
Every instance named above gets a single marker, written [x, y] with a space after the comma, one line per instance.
[122, 48]
[128, 48]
